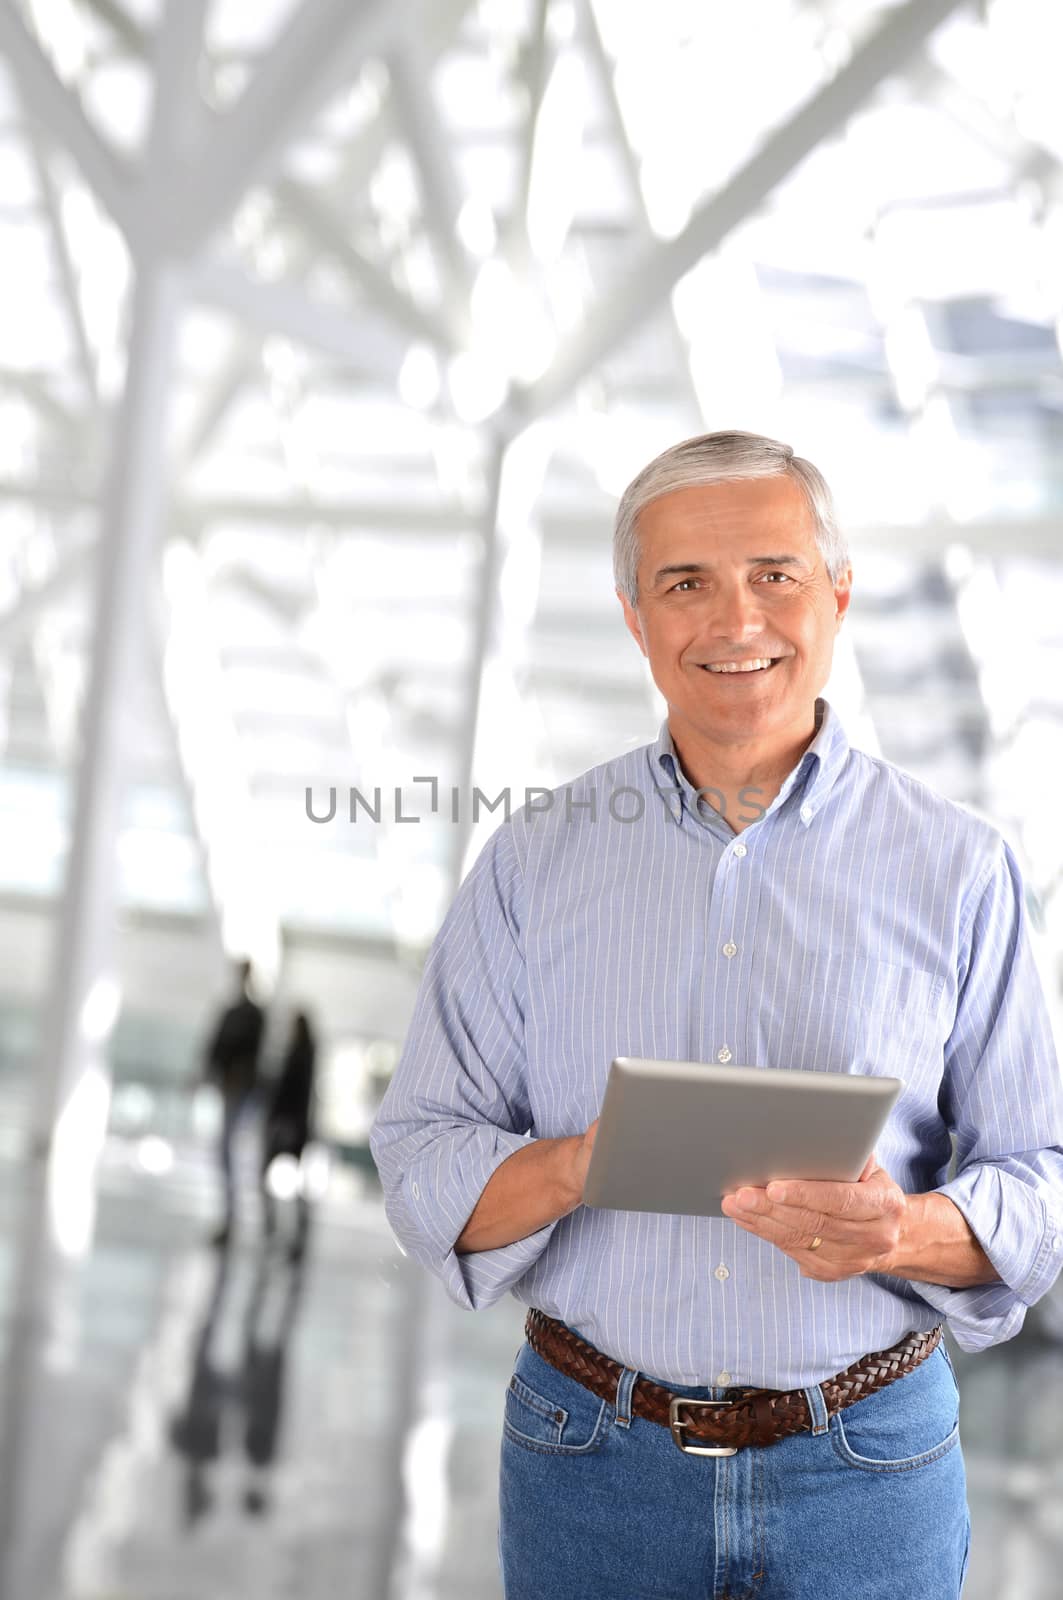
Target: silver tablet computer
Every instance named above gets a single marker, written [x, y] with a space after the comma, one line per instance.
[678, 1135]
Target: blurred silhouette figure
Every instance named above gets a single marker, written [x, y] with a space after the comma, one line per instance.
[195, 1432]
[287, 1126]
[253, 1391]
[267, 1331]
[232, 1065]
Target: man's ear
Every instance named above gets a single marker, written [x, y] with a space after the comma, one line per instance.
[632, 620]
[843, 593]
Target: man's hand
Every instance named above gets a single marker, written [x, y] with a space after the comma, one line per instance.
[581, 1148]
[861, 1224]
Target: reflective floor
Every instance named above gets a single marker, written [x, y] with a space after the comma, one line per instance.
[220, 1426]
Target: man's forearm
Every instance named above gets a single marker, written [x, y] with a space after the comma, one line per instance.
[532, 1187]
[937, 1246]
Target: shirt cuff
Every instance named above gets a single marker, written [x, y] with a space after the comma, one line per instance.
[1022, 1240]
[435, 1199]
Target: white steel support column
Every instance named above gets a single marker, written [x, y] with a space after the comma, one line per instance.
[484, 623]
[71, 1093]
[132, 511]
[505, 602]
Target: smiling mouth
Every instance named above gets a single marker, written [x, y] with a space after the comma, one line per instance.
[739, 669]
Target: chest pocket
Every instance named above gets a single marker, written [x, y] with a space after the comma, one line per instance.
[866, 1016]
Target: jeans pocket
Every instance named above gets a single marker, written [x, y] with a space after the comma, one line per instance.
[552, 1414]
[909, 1424]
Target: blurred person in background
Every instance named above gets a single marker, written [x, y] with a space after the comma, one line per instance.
[196, 1429]
[237, 1400]
[761, 1403]
[231, 1065]
[268, 1326]
[287, 1126]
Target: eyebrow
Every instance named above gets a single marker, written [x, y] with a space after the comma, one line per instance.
[684, 567]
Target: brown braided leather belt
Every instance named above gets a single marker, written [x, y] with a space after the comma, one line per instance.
[720, 1427]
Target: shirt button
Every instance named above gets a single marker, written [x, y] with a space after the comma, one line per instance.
[416, 1192]
[806, 813]
[723, 1379]
[721, 1272]
[730, 949]
[724, 1054]
[740, 849]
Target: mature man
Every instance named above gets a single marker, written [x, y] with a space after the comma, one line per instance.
[811, 907]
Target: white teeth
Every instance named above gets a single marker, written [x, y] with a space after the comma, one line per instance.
[739, 666]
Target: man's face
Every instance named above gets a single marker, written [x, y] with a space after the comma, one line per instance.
[730, 573]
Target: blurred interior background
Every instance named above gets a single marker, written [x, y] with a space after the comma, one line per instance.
[329, 334]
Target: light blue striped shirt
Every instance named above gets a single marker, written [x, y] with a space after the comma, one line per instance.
[861, 924]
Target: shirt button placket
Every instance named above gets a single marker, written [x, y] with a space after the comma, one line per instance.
[723, 915]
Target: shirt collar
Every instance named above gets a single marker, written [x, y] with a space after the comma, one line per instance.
[816, 773]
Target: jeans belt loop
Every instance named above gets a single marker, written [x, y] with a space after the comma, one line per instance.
[624, 1388]
[817, 1409]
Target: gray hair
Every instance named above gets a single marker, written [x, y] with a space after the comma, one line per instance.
[722, 458]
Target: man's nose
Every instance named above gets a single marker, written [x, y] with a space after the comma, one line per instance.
[736, 613]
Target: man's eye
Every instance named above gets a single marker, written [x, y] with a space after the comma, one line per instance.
[785, 575]
[683, 583]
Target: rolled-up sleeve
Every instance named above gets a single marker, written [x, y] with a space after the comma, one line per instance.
[1002, 1097]
[457, 1106]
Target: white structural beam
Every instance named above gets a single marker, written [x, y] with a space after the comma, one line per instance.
[178, 111]
[66, 272]
[33, 603]
[60, 113]
[381, 516]
[215, 776]
[34, 387]
[440, 187]
[318, 52]
[436, 26]
[495, 747]
[1038, 537]
[70, 1084]
[660, 268]
[934, 82]
[535, 63]
[484, 620]
[38, 491]
[121, 24]
[156, 667]
[239, 368]
[606, 80]
[283, 307]
[324, 227]
[132, 510]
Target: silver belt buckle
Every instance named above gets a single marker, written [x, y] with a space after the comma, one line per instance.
[677, 1425]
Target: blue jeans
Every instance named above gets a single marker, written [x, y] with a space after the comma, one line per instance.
[597, 1505]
